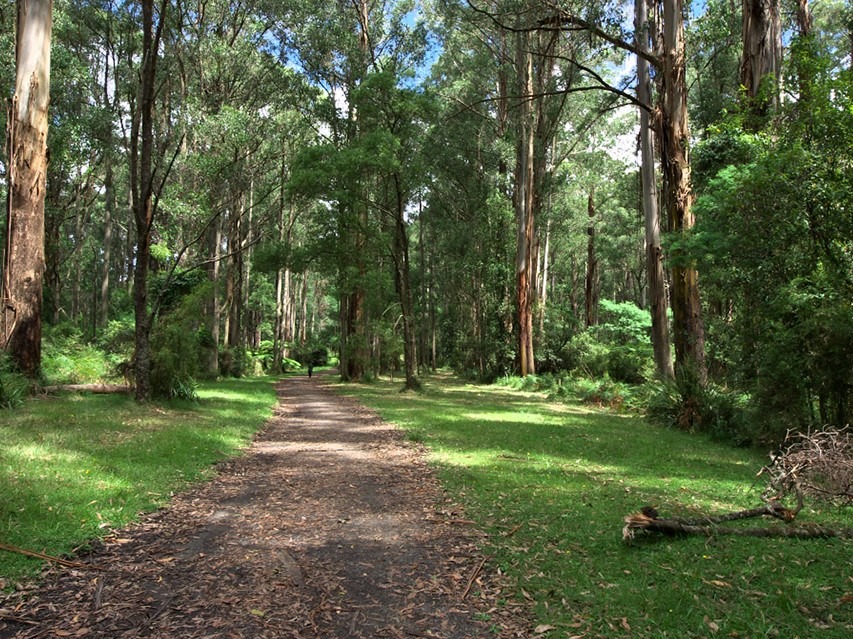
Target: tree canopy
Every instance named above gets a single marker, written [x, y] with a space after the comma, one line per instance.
[237, 186]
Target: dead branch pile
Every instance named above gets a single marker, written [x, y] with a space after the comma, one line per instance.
[648, 521]
[819, 465]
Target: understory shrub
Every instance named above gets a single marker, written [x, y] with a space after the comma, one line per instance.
[686, 404]
[13, 385]
[68, 359]
[619, 347]
[176, 341]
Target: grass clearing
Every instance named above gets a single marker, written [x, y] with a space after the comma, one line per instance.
[550, 482]
[75, 466]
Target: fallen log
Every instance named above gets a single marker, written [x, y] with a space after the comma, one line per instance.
[89, 388]
[712, 528]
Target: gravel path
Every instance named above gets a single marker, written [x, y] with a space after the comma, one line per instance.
[331, 526]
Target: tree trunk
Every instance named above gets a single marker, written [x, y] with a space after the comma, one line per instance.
[404, 288]
[109, 211]
[23, 255]
[689, 331]
[524, 203]
[654, 254]
[213, 307]
[142, 186]
[591, 288]
[543, 289]
[303, 313]
[762, 54]
[804, 74]
[234, 288]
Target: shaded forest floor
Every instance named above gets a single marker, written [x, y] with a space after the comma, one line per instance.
[331, 525]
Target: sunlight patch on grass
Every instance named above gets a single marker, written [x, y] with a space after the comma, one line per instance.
[551, 482]
[72, 467]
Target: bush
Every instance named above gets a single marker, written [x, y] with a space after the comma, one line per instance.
[686, 404]
[68, 359]
[595, 357]
[176, 342]
[13, 385]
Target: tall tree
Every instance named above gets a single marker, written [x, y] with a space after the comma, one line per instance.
[761, 65]
[688, 327]
[651, 215]
[143, 188]
[27, 128]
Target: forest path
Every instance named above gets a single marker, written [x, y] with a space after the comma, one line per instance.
[330, 526]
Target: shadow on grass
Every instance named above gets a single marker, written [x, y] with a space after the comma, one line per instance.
[74, 466]
[551, 483]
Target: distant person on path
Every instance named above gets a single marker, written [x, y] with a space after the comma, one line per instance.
[310, 368]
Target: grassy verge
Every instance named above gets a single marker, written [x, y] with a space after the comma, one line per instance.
[73, 467]
[551, 483]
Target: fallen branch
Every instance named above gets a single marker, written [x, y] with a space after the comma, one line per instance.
[41, 555]
[673, 527]
[89, 388]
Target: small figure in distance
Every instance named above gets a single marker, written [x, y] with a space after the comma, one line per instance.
[310, 368]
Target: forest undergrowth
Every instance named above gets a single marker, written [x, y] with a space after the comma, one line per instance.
[551, 481]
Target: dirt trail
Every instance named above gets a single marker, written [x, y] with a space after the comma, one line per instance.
[327, 528]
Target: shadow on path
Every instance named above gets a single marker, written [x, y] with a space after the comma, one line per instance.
[330, 526]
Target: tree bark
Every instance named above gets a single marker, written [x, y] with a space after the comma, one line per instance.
[654, 254]
[109, 211]
[762, 54]
[524, 203]
[688, 328]
[404, 288]
[592, 278]
[142, 187]
[23, 255]
[213, 307]
[804, 75]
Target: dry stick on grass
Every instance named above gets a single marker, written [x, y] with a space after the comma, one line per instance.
[819, 464]
[100, 389]
[473, 577]
[40, 555]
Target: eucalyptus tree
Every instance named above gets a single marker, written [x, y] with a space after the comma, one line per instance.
[27, 128]
[775, 241]
[761, 62]
[469, 233]
[714, 41]
[651, 215]
[336, 51]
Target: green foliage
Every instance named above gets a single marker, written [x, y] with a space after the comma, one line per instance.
[619, 347]
[233, 361]
[68, 359]
[176, 338]
[688, 405]
[13, 385]
[773, 243]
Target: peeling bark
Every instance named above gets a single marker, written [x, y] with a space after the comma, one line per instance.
[23, 255]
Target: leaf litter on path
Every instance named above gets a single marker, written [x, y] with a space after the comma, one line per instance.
[331, 525]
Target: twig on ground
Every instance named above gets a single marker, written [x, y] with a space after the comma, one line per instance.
[21, 620]
[472, 578]
[41, 555]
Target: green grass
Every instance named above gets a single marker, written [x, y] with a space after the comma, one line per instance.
[550, 482]
[73, 467]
